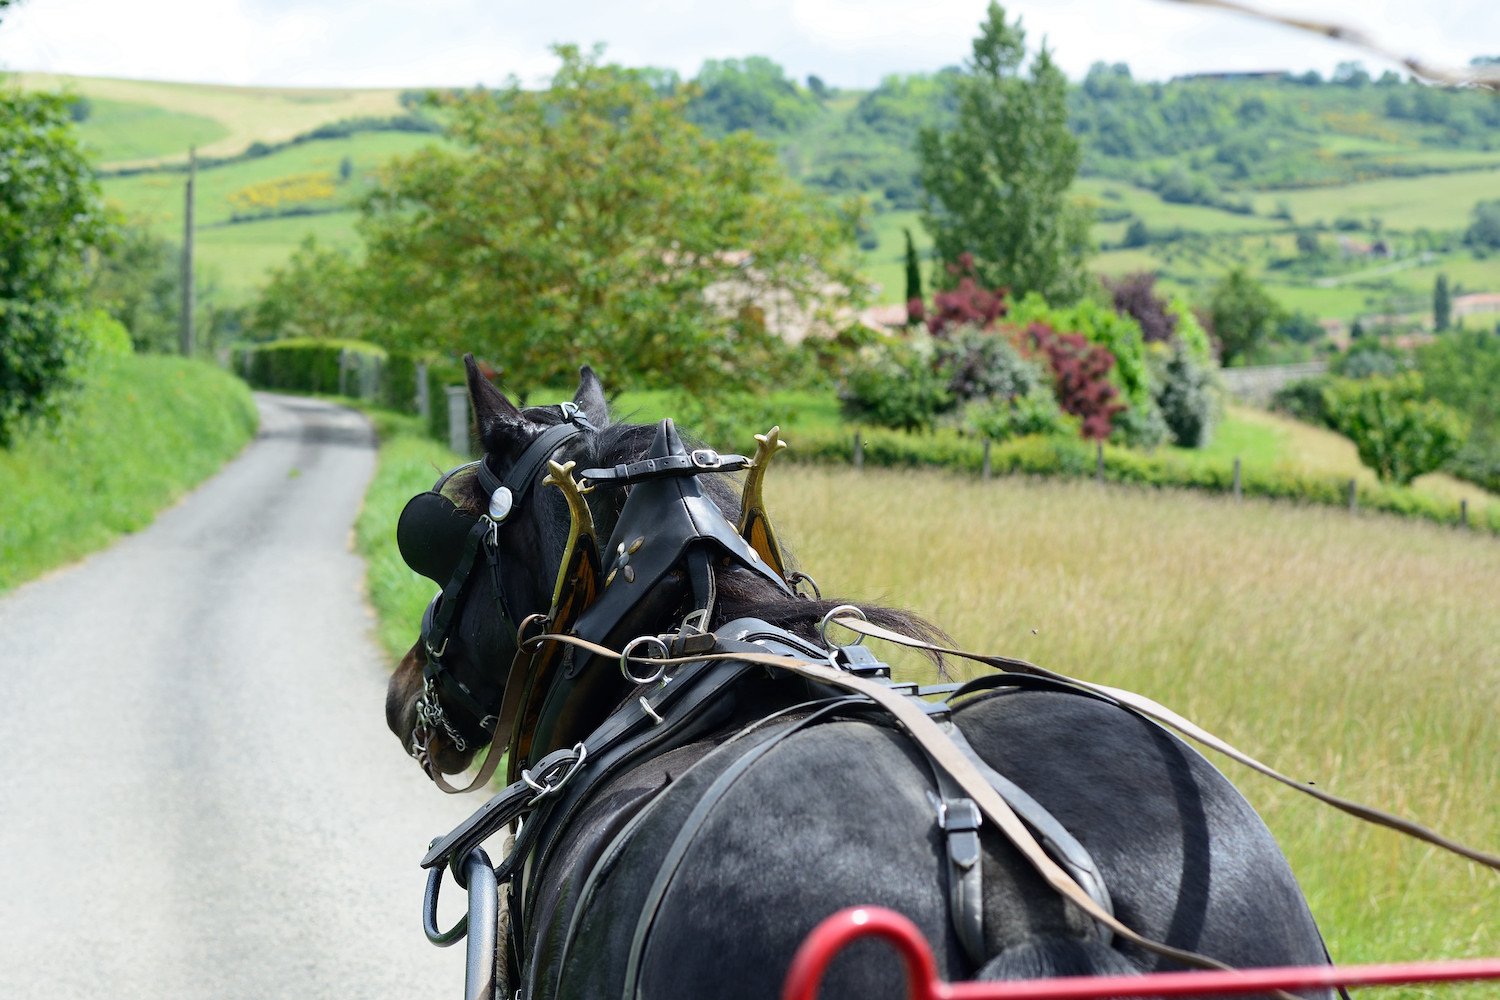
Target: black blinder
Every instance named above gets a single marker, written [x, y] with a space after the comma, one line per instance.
[431, 534]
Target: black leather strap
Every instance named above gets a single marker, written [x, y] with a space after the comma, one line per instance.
[691, 464]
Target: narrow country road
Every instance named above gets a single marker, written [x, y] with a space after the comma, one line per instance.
[200, 798]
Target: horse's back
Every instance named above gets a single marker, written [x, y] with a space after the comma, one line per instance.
[709, 888]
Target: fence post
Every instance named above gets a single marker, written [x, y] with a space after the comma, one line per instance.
[1353, 496]
[344, 371]
[1099, 459]
[424, 402]
[1463, 512]
[984, 471]
[859, 451]
[1237, 494]
[458, 418]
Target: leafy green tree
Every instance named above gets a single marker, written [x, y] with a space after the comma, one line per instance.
[996, 184]
[1400, 434]
[315, 294]
[1484, 230]
[592, 221]
[1442, 304]
[1462, 370]
[50, 219]
[752, 93]
[137, 279]
[1241, 314]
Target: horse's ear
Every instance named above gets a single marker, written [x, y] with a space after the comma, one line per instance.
[502, 429]
[590, 397]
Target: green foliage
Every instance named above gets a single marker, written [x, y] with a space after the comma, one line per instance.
[314, 295]
[752, 94]
[143, 431]
[1185, 395]
[896, 384]
[592, 221]
[1462, 370]
[342, 367]
[984, 364]
[1484, 229]
[1000, 418]
[913, 275]
[1121, 336]
[1242, 314]
[1442, 304]
[1399, 434]
[50, 217]
[995, 185]
[1303, 400]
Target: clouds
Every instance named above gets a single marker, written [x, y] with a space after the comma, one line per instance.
[847, 42]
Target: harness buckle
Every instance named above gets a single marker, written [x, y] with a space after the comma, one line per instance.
[554, 770]
[860, 662]
[706, 458]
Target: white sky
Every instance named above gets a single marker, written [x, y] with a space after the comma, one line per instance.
[849, 43]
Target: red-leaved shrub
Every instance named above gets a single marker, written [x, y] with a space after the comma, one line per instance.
[1081, 375]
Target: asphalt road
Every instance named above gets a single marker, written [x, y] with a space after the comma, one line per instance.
[199, 796]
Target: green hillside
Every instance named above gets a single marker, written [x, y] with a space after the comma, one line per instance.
[1186, 179]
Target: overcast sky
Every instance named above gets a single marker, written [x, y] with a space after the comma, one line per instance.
[850, 43]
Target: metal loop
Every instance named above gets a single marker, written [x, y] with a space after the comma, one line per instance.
[555, 771]
[430, 901]
[796, 578]
[541, 619]
[828, 619]
[661, 668]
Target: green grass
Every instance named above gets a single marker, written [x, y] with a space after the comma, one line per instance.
[239, 258]
[245, 114]
[1435, 201]
[129, 130]
[141, 432]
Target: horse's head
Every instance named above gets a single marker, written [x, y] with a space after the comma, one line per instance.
[492, 536]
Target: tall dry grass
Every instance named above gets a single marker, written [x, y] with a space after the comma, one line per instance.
[1359, 652]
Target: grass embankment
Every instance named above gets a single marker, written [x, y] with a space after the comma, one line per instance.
[1359, 653]
[141, 432]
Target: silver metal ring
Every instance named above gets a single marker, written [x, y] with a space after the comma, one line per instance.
[797, 578]
[661, 668]
[828, 619]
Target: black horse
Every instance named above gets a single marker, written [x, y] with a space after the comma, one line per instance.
[693, 867]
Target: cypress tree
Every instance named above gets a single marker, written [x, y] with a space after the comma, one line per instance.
[913, 281]
[1442, 304]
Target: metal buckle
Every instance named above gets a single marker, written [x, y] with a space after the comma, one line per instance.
[555, 770]
[706, 458]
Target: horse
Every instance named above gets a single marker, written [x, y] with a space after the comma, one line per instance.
[693, 866]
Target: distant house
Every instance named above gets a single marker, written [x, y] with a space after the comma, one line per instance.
[884, 318]
[1476, 304]
[1351, 247]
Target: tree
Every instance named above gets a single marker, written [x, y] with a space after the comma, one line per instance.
[1484, 231]
[1442, 304]
[1240, 314]
[315, 294]
[752, 94]
[137, 279]
[1399, 434]
[50, 219]
[995, 185]
[913, 282]
[592, 221]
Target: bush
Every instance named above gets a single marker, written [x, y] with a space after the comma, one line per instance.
[1034, 412]
[1080, 372]
[982, 365]
[1399, 434]
[1303, 400]
[896, 385]
[345, 367]
[1186, 396]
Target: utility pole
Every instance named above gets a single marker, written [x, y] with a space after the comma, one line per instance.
[188, 297]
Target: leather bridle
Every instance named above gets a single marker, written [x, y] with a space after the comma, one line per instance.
[446, 544]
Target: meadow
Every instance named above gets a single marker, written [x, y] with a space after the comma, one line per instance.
[1355, 652]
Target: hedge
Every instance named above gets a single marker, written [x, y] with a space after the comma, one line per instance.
[1073, 457]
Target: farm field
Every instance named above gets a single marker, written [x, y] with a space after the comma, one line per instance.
[126, 136]
[1356, 652]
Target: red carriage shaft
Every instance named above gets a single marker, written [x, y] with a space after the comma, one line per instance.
[922, 982]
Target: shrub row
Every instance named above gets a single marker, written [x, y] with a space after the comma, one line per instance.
[1072, 457]
[351, 368]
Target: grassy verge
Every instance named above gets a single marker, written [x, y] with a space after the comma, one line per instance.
[142, 432]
